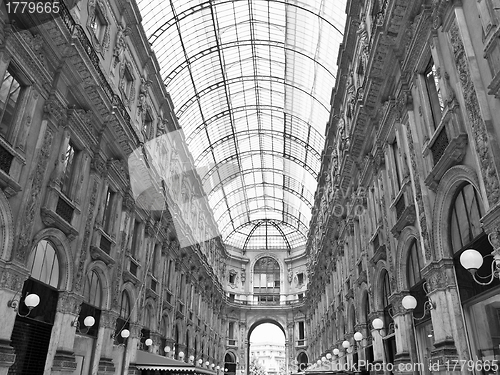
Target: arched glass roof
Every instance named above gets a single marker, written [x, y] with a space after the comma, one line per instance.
[251, 82]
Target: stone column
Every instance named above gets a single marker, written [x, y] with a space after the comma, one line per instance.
[450, 340]
[60, 356]
[131, 350]
[156, 337]
[361, 345]
[378, 344]
[406, 352]
[103, 363]
[12, 278]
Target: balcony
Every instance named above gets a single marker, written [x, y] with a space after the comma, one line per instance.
[447, 146]
[58, 211]
[266, 299]
[131, 272]
[101, 248]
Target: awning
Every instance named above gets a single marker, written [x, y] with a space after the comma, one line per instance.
[150, 361]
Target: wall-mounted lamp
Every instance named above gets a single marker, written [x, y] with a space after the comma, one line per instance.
[409, 303]
[181, 355]
[378, 324]
[88, 322]
[472, 260]
[148, 342]
[200, 361]
[191, 358]
[335, 352]
[125, 333]
[31, 301]
[328, 356]
[323, 359]
[318, 362]
[226, 370]
[207, 363]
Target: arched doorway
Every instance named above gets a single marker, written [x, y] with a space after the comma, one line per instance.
[302, 361]
[266, 350]
[230, 363]
[32, 329]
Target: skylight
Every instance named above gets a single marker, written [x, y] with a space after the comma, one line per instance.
[251, 82]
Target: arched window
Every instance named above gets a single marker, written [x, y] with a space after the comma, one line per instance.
[389, 339]
[230, 363]
[414, 265]
[186, 357]
[91, 305]
[465, 217]
[267, 280]
[386, 292]
[123, 321]
[43, 264]
[147, 319]
[466, 233]
[164, 334]
[302, 361]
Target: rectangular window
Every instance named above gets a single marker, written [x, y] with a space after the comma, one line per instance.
[9, 95]
[397, 170]
[98, 24]
[135, 240]
[68, 168]
[108, 211]
[301, 331]
[148, 125]
[433, 92]
[232, 278]
[300, 278]
[129, 81]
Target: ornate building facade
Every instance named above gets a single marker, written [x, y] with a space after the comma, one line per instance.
[410, 182]
[109, 247]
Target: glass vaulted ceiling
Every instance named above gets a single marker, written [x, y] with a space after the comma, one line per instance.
[251, 84]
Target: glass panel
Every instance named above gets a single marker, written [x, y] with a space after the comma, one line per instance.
[92, 290]
[251, 84]
[44, 264]
[9, 93]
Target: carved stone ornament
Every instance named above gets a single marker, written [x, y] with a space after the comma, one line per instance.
[128, 95]
[98, 164]
[488, 170]
[78, 280]
[143, 94]
[120, 44]
[98, 14]
[418, 194]
[69, 302]
[33, 199]
[494, 238]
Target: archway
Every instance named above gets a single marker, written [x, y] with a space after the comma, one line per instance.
[266, 349]
[230, 363]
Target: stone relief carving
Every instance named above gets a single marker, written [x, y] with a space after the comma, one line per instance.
[78, 280]
[33, 200]
[488, 170]
[120, 44]
[95, 9]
